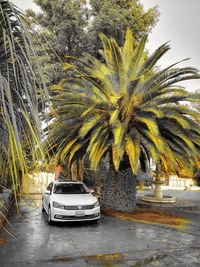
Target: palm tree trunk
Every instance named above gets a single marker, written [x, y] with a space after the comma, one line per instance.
[80, 169]
[74, 170]
[119, 190]
[77, 170]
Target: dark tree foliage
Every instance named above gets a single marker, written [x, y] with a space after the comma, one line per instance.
[114, 17]
[71, 27]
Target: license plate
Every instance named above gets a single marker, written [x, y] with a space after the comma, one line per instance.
[79, 213]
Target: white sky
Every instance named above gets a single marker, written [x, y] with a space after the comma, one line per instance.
[25, 4]
[179, 22]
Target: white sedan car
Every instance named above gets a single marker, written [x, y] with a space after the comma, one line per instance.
[70, 201]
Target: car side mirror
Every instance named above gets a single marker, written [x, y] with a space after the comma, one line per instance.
[93, 192]
[47, 192]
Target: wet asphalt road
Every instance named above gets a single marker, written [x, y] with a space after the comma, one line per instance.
[113, 242]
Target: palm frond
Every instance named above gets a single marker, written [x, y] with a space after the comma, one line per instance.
[129, 107]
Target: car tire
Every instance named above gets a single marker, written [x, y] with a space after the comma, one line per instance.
[95, 221]
[43, 210]
[49, 216]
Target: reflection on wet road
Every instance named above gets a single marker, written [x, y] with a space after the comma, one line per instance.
[113, 242]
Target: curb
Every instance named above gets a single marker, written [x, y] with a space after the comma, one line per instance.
[176, 206]
[6, 201]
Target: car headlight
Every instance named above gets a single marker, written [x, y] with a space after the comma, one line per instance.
[58, 205]
[96, 204]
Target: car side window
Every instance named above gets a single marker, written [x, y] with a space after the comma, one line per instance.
[50, 187]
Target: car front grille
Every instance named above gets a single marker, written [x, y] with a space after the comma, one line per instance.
[64, 217]
[80, 207]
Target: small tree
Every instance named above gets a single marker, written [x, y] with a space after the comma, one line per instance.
[72, 27]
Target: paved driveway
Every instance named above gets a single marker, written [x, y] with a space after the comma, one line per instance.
[113, 242]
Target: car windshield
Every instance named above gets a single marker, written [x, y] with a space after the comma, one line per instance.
[70, 189]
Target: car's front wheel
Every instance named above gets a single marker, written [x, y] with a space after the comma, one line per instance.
[95, 221]
[49, 215]
[43, 206]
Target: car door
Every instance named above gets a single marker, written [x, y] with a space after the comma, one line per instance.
[47, 196]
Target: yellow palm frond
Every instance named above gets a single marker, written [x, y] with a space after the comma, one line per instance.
[89, 124]
[117, 156]
[133, 152]
[151, 124]
[128, 49]
[73, 150]
[181, 120]
[67, 148]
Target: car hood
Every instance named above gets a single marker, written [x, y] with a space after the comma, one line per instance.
[74, 199]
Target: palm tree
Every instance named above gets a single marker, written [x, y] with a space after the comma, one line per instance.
[127, 107]
[22, 92]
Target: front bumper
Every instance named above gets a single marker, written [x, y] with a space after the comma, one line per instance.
[70, 215]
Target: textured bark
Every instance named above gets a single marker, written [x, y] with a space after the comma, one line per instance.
[77, 170]
[74, 170]
[119, 190]
[80, 169]
[58, 170]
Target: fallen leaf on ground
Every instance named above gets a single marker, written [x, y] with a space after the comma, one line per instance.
[149, 216]
[2, 242]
